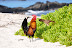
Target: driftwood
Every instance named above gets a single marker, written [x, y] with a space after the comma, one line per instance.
[46, 21]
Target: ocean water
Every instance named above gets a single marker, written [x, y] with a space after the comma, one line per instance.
[27, 3]
[38, 13]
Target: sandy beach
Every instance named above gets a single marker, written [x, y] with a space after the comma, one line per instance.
[9, 24]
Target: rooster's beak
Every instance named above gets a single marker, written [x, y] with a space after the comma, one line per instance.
[28, 17]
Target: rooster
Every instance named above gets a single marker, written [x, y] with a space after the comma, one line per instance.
[29, 31]
[46, 21]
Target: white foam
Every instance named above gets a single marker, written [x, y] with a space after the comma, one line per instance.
[38, 13]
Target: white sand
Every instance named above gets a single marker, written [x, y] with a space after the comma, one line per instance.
[9, 24]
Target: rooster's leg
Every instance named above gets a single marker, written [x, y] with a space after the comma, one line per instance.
[29, 38]
[32, 37]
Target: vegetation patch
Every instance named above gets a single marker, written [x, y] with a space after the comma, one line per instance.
[61, 31]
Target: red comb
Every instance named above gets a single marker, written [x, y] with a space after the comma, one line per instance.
[33, 15]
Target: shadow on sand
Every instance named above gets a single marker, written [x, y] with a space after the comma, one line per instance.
[37, 39]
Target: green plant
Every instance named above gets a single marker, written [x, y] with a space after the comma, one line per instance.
[61, 31]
